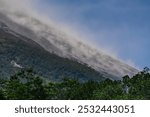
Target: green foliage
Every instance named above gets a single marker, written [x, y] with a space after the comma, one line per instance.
[26, 85]
[109, 90]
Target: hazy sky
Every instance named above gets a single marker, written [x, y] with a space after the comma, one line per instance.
[121, 26]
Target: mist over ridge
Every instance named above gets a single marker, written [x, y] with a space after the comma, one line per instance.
[25, 21]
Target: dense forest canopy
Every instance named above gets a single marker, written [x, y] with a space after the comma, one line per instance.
[27, 85]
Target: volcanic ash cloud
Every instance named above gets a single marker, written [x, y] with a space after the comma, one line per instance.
[22, 18]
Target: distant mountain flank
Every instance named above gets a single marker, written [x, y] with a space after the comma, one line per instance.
[18, 52]
[52, 53]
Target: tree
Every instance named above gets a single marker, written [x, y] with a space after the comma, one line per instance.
[26, 84]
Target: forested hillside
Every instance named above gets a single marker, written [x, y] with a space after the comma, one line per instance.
[28, 85]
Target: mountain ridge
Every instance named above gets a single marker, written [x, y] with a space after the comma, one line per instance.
[19, 50]
[59, 45]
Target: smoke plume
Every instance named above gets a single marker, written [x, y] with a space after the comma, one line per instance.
[20, 16]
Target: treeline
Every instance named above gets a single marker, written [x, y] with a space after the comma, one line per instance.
[26, 85]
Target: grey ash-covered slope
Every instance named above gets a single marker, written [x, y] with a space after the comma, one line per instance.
[18, 52]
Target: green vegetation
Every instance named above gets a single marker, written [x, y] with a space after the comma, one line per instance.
[26, 85]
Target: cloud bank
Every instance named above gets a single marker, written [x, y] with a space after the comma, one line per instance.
[22, 18]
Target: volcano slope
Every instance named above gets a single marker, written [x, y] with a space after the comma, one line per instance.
[18, 52]
[52, 53]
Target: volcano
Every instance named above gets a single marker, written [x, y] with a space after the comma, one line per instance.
[29, 42]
